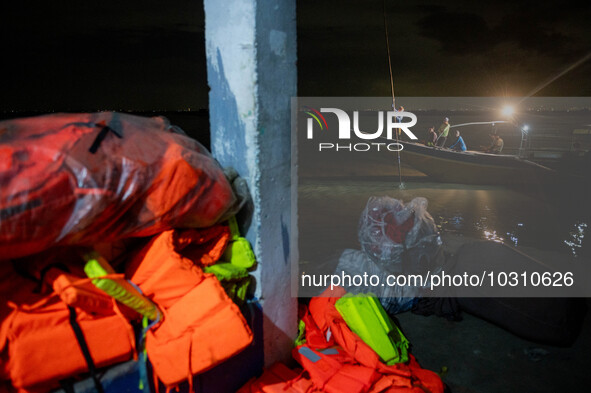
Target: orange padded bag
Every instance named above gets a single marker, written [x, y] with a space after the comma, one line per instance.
[199, 331]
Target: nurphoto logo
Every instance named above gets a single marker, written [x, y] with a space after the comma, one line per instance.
[393, 121]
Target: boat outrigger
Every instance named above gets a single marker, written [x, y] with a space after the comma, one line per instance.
[473, 167]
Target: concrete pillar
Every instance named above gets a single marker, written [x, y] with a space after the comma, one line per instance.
[251, 71]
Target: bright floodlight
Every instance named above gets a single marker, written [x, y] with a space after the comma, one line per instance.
[525, 127]
[508, 110]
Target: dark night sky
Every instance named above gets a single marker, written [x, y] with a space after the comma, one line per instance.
[141, 55]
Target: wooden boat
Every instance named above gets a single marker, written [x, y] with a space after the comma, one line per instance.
[472, 167]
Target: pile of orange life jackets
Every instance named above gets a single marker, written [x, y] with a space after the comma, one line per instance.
[336, 360]
[74, 181]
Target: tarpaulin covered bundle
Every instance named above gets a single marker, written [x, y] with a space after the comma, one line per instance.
[395, 238]
[85, 178]
[339, 361]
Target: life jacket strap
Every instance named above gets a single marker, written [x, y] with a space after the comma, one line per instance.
[101, 136]
[84, 348]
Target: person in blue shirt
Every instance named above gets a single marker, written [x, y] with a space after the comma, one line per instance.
[459, 145]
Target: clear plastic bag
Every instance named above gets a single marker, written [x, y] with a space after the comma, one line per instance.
[388, 227]
[394, 299]
[99, 177]
[395, 239]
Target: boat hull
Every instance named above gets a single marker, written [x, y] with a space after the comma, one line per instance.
[469, 167]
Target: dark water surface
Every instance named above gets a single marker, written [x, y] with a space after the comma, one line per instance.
[556, 221]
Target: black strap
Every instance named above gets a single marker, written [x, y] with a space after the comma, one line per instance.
[84, 348]
[101, 136]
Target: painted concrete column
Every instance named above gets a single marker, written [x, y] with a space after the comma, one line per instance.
[251, 71]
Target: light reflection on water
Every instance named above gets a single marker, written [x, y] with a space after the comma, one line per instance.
[575, 243]
[329, 212]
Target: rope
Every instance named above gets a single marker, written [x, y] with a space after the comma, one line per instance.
[392, 87]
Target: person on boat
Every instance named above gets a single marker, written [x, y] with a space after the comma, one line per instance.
[399, 119]
[496, 146]
[459, 144]
[443, 131]
[431, 137]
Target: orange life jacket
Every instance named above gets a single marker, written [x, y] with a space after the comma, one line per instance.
[279, 379]
[83, 295]
[13, 288]
[61, 269]
[333, 371]
[204, 246]
[42, 347]
[161, 270]
[201, 326]
[199, 331]
[325, 321]
[100, 177]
